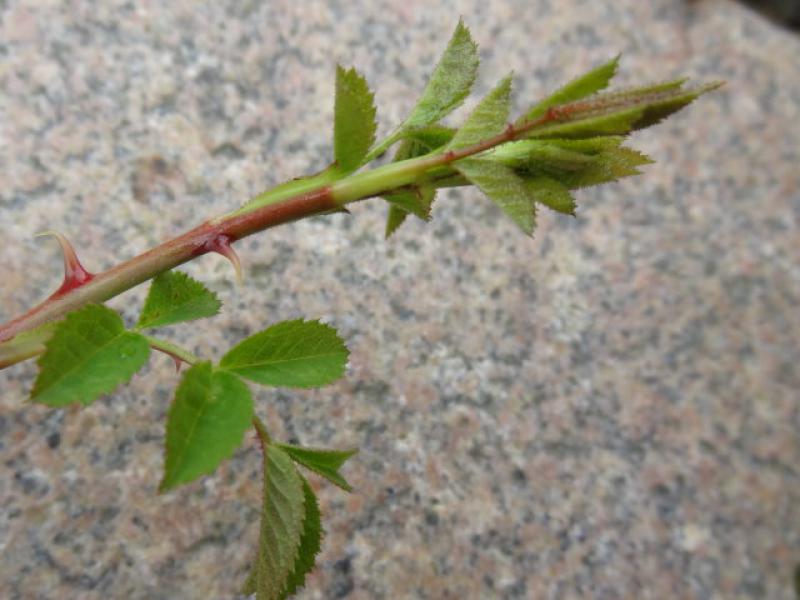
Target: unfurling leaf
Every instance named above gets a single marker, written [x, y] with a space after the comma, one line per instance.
[323, 462]
[541, 155]
[354, 119]
[620, 112]
[89, 354]
[206, 423]
[503, 187]
[581, 87]
[487, 119]
[282, 528]
[290, 354]
[450, 82]
[175, 297]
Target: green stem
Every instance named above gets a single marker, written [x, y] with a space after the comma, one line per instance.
[172, 349]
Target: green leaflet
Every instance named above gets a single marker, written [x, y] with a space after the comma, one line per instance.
[290, 354]
[323, 462]
[592, 82]
[540, 154]
[394, 219]
[174, 297]
[620, 122]
[205, 425]
[89, 354]
[503, 187]
[280, 561]
[487, 119]
[450, 82]
[310, 541]
[609, 165]
[572, 163]
[310, 545]
[551, 193]
[354, 119]
[430, 138]
[619, 113]
[417, 201]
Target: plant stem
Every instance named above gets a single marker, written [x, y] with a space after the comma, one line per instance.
[173, 350]
[294, 200]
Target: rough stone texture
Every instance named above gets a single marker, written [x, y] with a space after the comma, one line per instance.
[609, 410]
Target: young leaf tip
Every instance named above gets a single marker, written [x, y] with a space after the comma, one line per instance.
[75, 275]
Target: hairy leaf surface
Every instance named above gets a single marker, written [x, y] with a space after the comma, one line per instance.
[592, 82]
[175, 297]
[487, 119]
[450, 82]
[290, 354]
[503, 187]
[551, 193]
[206, 423]
[620, 112]
[89, 354]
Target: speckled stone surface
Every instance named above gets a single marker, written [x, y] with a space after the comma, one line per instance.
[609, 410]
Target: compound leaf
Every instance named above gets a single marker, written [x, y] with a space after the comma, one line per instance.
[206, 423]
[175, 297]
[290, 354]
[354, 119]
[323, 462]
[89, 354]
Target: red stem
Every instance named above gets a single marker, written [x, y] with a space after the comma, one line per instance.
[200, 240]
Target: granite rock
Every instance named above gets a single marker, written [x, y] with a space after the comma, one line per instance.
[609, 410]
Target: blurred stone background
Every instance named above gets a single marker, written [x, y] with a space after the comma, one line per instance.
[609, 410]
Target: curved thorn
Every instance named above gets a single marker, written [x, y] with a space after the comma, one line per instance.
[222, 246]
[75, 275]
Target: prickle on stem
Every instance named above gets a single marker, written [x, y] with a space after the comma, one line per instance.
[75, 275]
[222, 246]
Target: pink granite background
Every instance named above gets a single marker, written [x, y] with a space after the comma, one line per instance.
[609, 410]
